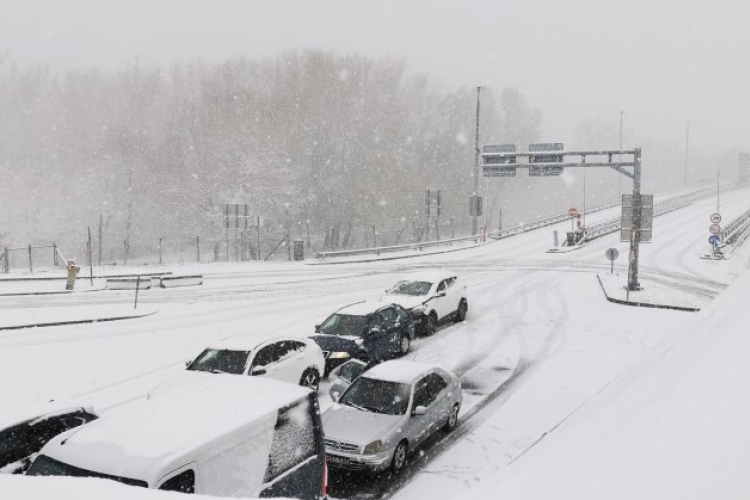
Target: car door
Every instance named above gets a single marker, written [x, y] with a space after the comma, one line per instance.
[442, 304]
[440, 405]
[265, 361]
[453, 294]
[404, 321]
[289, 367]
[419, 427]
[391, 331]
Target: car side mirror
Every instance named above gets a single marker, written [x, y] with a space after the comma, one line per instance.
[335, 396]
[188, 362]
[258, 370]
[419, 410]
[317, 328]
[441, 293]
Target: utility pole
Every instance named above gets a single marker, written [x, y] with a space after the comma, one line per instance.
[687, 142]
[474, 229]
[635, 236]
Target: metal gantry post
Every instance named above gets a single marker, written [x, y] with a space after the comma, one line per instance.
[635, 238]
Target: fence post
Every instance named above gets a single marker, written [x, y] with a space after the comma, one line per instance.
[198, 247]
[159, 251]
[31, 267]
[7, 260]
[54, 253]
[125, 248]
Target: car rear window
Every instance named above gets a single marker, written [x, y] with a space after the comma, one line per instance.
[220, 361]
[46, 466]
[293, 439]
[343, 324]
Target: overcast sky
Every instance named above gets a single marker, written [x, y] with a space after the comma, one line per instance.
[663, 62]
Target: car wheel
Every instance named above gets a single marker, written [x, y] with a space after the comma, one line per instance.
[399, 457]
[431, 324]
[310, 379]
[463, 308]
[404, 344]
[452, 421]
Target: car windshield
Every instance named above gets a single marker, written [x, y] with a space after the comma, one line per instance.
[46, 466]
[411, 288]
[220, 361]
[343, 324]
[377, 396]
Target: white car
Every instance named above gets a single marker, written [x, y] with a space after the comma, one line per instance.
[388, 412]
[291, 359]
[431, 297]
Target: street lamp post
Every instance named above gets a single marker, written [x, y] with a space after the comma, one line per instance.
[687, 142]
[476, 167]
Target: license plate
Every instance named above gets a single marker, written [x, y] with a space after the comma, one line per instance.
[337, 460]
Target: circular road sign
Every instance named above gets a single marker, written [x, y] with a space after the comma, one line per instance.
[714, 229]
[612, 254]
[715, 218]
[573, 212]
[714, 240]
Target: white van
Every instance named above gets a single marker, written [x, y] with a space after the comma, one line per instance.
[223, 435]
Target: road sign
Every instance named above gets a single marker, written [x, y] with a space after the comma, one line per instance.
[714, 229]
[494, 166]
[612, 254]
[545, 158]
[573, 212]
[432, 202]
[647, 217]
[714, 240]
[715, 218]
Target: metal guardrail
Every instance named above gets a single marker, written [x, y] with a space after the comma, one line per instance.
[546, 221]
[395, 248]
[612, 225]
[737, 231]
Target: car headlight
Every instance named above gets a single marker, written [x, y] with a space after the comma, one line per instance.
[339, 355]
[419, 309]
[373, 447]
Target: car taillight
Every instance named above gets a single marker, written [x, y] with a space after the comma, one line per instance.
[324, 492]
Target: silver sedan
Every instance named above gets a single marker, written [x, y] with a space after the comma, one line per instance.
[388, 412]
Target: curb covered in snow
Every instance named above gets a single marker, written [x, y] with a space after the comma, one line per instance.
[77, 322]
[325, 263]
[642, 304]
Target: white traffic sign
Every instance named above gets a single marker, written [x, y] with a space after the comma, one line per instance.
[715, 218]
[714, 229]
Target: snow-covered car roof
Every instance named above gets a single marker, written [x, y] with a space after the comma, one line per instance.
[21, 412]
[429, 276]
[400, 370]
[362, 308]
[138, 438]
[249, 341]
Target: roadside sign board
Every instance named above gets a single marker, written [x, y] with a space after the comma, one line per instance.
[714, 240]
[715, 218]
[494, 165]
[545, 158]
[714, 229]
[647, 217]
[432, 202]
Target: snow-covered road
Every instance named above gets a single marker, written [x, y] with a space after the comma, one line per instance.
[544, 310]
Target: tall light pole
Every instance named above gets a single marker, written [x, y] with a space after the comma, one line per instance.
[476, 168]
[619, 179]
[687, 142]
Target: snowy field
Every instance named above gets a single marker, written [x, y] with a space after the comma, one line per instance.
[539, 328]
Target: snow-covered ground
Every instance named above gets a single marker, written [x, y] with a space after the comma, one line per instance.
[537, 322]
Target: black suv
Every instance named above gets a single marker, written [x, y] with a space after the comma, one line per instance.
[371, 331]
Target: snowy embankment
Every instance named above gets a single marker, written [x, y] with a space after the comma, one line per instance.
[674, 427]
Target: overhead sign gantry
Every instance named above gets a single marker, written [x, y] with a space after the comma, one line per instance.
[549, 159]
